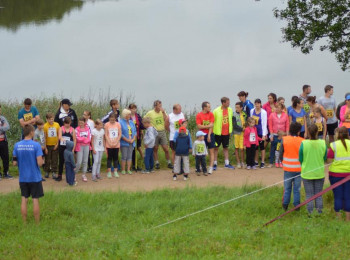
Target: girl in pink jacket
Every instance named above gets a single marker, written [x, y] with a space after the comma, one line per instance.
[83, 136]
[250, 142]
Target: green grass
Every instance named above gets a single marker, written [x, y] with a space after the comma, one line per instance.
[78, 225]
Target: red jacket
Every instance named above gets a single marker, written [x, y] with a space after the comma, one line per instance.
[246, 139]
[276, 124]
[268, 109]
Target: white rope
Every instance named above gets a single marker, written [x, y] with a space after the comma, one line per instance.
[233, 199]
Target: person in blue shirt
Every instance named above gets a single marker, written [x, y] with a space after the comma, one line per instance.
[27, 155]
[28, 115]
[247, 105]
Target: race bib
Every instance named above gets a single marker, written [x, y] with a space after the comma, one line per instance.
[225, 120]
[99, 142]
[176, 125]
[2, 137]
[256, 118]
[330, 113]
[311, 115]
[278, 146]
[252, 137]
[27, 117]
[306, 108]
[200, 148]
[159, 121]
[84, 134]
[319, 127]
[64, 140]
[52, 132]
[113, 133]
[300, 120]
[206, 122]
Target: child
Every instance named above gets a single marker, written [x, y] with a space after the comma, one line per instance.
[200, 152]
[51, 129]
[4, 147]
[87, 115]
[251, 141]
[27, 154]
[321, 123]
[98, 143]
[39, 136]
[278, 162]
[70, 163]
[149, 141]
[112, 135]
[183, 146]
[114, 110]
[82, 148]
[238, 121]
[65, 133]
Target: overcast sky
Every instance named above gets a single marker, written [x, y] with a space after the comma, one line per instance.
[179, 51]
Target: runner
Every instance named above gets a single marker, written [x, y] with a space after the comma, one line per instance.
[270, 107]
[247, 105]
[345, 114]
[66, 111]
[222, 131]
[172, 124]
[260, 116]
[137, 119]
[4, 147]
[303, 96]
[158, 117]
[330, 105]
[114, 109]
[337, 113]
[205, 123]
[297, 114]
[311, 101]
[291, 107]
[28, 115]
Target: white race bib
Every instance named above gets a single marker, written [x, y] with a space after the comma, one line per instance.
[52, 132]
[84, 134]
[252, 137]
[99, 142]
[113, 133]
[64, 140]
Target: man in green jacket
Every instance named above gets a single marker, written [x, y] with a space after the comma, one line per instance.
[222, 130]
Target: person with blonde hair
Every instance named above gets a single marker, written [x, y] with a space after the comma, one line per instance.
[127, 141]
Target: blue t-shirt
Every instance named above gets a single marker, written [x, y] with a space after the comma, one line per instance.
[28, 115]
[26, 152]
[298, 117]
[257, 118]
[289, 109]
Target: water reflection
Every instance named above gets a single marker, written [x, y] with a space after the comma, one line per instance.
[17, 13]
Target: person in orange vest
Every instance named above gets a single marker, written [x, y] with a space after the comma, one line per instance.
[289, 155]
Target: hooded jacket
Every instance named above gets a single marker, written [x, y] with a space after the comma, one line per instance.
[68, 153]
[62, 114]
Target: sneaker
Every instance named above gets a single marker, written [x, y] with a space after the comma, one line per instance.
[174, 178]
[75, 183]
[269, 165]
[145, 172]
[157, 166]
[54, 176]
[84, 178]
[198, 172]
[277, 165]
[229, 166]
[123, 172]
[215, 167]
[151, 170]
[94, 179]
[8, 176]
[46, 175]
[262, 165]
[256, 163]
[130, 172]
[59, 178]
[248, 167]
[210, 171]
[281, 165]
[170, 166]
[185, 177]
[254, 167]
[243, 165]
[98, 177]
[239, 166]
[116, 174]
[109, 175]
[285, 207]
[205, 173]
[89, 170]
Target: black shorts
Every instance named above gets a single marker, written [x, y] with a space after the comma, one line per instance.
[222, 139]
[210, 145]
[33, 189]
[331, 128]
[172, 145]
[261, 145]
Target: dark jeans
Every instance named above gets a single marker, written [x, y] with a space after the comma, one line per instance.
[291, 183]
[4, 154]
[341, 194]
[61, 149]
[201, 161]
[273, 148]
[90, 160]
[70, 173]
[149, 161]
[250, 155]
[51, 159]
[112, 156]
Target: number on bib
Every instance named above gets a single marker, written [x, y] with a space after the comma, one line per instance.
[300, 120]
[64, 140]
[252, 137]
[319, 126]
[113, 133]
[200, 148]
[256, 118]
[206, 122]
[176, 125]
[52, 132]
[28, 117]
[329, 113]
[159, 121]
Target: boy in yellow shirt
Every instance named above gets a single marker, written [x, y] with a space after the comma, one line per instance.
[51, 129]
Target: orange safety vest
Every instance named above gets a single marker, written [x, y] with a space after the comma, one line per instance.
[291, 145]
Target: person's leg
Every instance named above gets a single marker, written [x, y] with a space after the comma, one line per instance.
[186, 165]
[177, 165]
[309, 190]
[216, 151]
[129, 157]
[5, 156]
[198, 159]
[338, 193]
[226, 156]
[287, 188]
[147, 158]
[318, 188]
[109, 159]
[79, 159]
[155, 154]
[346, 196]
[273, 149]
[211, 157]
[24, 208]
[151, 159]
[124, 157]
[238, 156]
[296, 189]
[100, 155]
[60, 159]
[36, 210]
[48, 159]
[86, 152]
[54, 162]
[115, 158]
[95, 165]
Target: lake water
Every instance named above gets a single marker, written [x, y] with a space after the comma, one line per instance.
[174, 50]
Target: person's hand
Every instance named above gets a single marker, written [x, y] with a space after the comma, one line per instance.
[145, 146]
[46, 151]
[55, 148]
[272, 137]
[209, 140]
[245, 148]
[264, 138]
[94, 151]
[190, 151]
[162, 109]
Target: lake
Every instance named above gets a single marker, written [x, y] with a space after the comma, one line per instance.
[173, 50]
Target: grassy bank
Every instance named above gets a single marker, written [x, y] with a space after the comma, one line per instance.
[117, 226]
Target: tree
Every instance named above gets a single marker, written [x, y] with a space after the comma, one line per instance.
[311, 21]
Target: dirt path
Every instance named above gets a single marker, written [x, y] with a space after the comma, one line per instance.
[159, 180]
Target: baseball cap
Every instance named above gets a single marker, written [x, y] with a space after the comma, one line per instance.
[66, 101]
[348, 97]
[200, 133]
[181, 121]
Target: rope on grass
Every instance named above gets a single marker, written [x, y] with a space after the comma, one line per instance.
[233, 199]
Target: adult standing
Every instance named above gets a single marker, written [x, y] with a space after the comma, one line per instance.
[330, 105]
[312, 155]
[270, 107]
[289, 154]
[311, 101]
[297, 114]
[29, 114]
[4, 146]
[158, 117]
[127, 142]
[339, 151]
[64, 111]
[303, 96]
[205, 123]
[222, 130]
[260, 116]
[137, 119]
[278, 121]
[247, 105]
[345, 114]
[114, 104]
[172, 124]
[337, 113]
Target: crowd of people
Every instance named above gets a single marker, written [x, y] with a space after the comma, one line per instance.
[297, 136]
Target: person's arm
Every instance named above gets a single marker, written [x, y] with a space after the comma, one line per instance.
[119, 131]
[330, 155]
[167, 124]
[301, 153]
[325, 154]
[60, 134]
[324, 129]
[40, 161]
[123, 136]
[194, 149]
[281, 151]
[305, 126]
[323, 112]
[92, 144]
[270, 124]
[264, 123]
[290, 119]
[14, 156]
[5, 125]
[57, 137]
[189, 134]
[175, 136]
[75, 120]
[74, 139]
